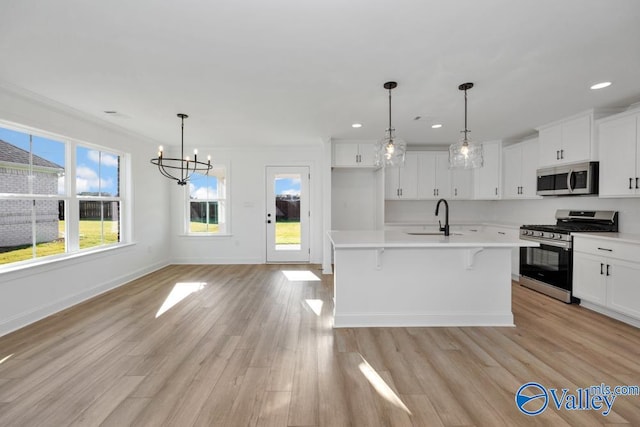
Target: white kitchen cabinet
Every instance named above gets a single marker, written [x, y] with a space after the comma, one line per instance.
[354, 154]
[519, 170]
[619, 141]
[605, 274]
[487, 179]
[402, 182]
[434, 178]
[461, 184]
[567, 141]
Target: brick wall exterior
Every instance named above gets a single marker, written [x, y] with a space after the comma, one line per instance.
[15, 215]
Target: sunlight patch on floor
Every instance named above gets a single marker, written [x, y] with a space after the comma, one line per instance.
[300, 276]
[179, 292]
[315, 305]
[381, 386]
[5, 358]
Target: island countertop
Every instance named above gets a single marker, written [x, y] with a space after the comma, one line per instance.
[359, 239]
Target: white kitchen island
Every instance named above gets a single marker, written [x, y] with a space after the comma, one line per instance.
[392, 278]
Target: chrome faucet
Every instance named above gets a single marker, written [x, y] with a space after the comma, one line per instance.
[446, 216]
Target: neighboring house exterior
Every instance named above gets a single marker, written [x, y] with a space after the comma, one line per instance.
[15, 215]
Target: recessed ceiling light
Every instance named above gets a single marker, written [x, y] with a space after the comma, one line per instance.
[600, 85]
[436, 126]
[356, 125]
[110, 112]
[417, 117]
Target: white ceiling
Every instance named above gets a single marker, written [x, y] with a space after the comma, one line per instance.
[296, 71]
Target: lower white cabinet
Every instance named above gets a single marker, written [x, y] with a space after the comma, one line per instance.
[605, 273]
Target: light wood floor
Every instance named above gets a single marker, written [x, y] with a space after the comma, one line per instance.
[249, 349]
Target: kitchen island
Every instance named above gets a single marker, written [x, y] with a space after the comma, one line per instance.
[395, 278]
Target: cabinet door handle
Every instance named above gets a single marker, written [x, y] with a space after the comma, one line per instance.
[630, 183]
[496, 191]
[437, 192]
[605, 249]
[455, 191]
[601, 268]
[562, 154]
[608, 272]
[558, 155]
[637, 183]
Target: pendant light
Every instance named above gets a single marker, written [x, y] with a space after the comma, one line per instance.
[465, 154]
[390, 151]
[186, 166]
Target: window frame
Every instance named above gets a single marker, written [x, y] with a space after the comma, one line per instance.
[72, 200]
[226, 200]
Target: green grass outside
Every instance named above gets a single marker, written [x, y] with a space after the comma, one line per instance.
[90, 236]
[200, 227]
[287, 233]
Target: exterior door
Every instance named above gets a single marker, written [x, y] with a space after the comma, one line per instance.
[287, 211]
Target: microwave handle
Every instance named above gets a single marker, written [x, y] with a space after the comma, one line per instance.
[569, 175]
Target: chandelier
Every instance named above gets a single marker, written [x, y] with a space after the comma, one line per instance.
[465, 154]
[391, 150]
[181, 169]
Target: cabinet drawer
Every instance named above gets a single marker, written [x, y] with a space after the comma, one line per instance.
[608, 248]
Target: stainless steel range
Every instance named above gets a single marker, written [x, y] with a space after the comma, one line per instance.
[549, 268]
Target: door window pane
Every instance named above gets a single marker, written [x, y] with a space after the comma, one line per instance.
[287, 199]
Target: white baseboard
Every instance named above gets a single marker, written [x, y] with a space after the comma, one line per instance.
[39, 313]
[422, 320]
[613, 314]
[209, 260]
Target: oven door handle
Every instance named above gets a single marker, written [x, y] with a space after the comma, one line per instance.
[569, 176]
[559, 244]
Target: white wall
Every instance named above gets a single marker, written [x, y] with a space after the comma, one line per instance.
[30, 294]
[247, 243]
[423, 211]
[354, 199]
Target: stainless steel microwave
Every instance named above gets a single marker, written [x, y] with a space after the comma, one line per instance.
[567, 180]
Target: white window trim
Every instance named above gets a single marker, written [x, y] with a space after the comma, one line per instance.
[227, 200]
[71, 199]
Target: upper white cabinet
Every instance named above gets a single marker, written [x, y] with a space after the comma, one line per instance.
[570, 140]
[402, 182]
[434, 178]
[487, 179]
[354, 154]
[567, 141]
[619, 138]
[519, 170]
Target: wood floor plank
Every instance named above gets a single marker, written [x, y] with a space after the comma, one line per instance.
[251, 347]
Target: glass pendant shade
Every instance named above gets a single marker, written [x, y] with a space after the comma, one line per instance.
[390, 150]
[466, 155]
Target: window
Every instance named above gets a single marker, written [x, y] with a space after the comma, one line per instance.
[98, 191]
[40, 212]
[207, 208]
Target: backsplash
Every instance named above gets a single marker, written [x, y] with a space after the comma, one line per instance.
[516, 212]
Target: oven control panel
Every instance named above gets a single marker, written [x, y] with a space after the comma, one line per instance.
[544, 235]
